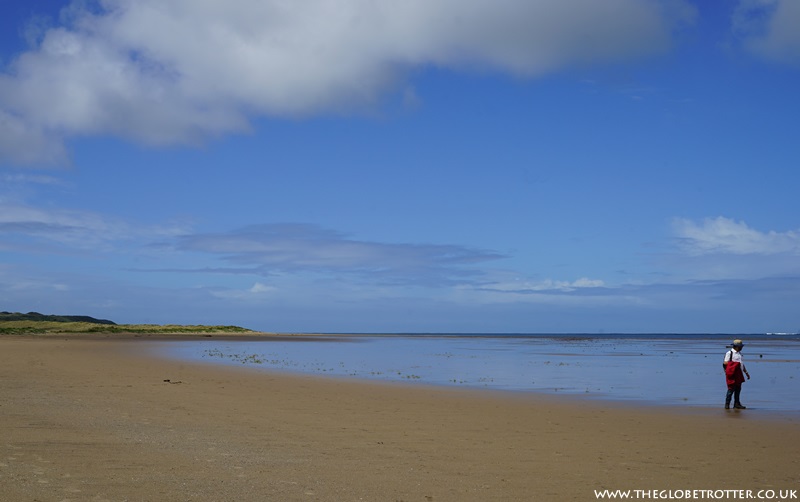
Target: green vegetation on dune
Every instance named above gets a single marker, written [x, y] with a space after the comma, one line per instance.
[45, 327]
[170, 328]
[34, 323]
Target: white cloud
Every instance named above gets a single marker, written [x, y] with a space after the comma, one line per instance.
[525, 286]
[257, 292]
[180, 71]
[21, 286]
[508, 287]
[23, 141]
[300, 248]
[259, 288]
[726, 236]
[769, 28]
[23, 179]
[73, 228]
[583, 292]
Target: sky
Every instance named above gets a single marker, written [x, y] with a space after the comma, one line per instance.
[513, 166]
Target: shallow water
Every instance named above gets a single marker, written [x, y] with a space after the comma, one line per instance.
[667, 370]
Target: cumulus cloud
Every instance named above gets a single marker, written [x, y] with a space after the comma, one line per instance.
[769, 28]
[180, 71]
[298, 248]
[726, 236]
[23, 141]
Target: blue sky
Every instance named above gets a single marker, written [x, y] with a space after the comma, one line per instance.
[446, 166]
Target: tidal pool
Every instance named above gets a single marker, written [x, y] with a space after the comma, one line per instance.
[683, 370]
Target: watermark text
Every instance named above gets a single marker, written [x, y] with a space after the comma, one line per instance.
[766, 494]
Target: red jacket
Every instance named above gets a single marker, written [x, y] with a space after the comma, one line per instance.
[733, 374]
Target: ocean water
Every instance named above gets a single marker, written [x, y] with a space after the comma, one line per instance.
[671, 370]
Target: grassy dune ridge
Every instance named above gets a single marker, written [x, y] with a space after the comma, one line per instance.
[47, 327]
[21, 324]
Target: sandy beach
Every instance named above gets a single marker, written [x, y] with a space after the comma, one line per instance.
[96, 419]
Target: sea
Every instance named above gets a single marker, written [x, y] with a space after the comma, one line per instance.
[677, 370]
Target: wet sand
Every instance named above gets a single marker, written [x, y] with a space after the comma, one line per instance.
[90, 418]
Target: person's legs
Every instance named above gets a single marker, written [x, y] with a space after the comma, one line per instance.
[737, 391]
[728, 397]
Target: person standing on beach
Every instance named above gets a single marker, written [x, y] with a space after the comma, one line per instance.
[734, 375]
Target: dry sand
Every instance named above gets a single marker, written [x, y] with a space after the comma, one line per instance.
[93, 419]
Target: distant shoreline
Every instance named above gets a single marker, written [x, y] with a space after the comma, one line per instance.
[34, 323]
[234, 332]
